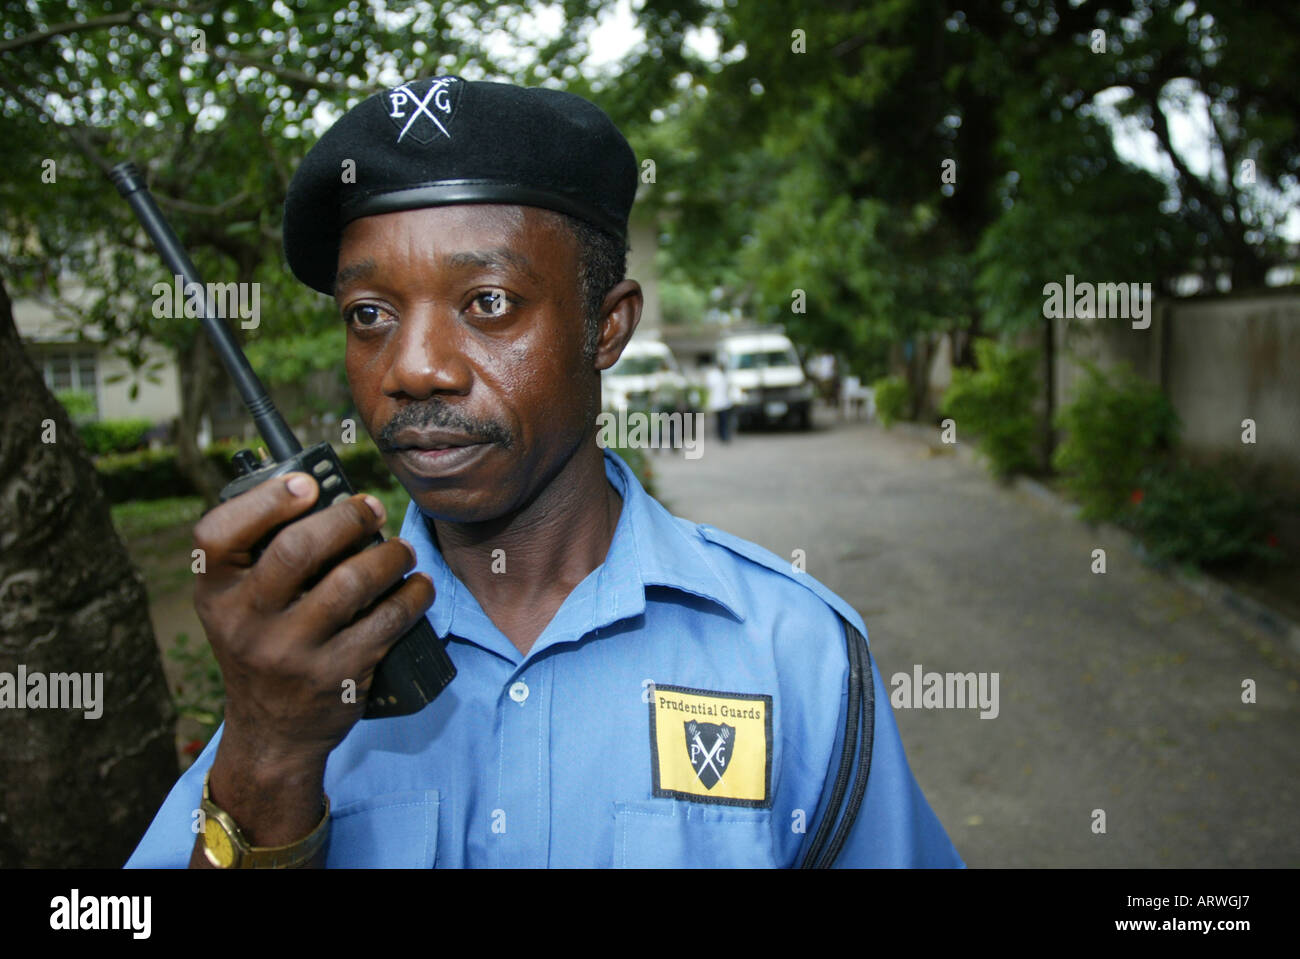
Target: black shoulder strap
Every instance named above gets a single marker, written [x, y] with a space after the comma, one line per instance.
[859, 722]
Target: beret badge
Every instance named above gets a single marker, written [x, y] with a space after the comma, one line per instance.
[422, 110]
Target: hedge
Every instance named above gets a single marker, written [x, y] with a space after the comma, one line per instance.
[154, 474]
[114, 436]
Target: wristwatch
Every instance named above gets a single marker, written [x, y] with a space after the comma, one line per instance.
[226, 846]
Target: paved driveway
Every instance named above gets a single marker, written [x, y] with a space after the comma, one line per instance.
[1119, 692]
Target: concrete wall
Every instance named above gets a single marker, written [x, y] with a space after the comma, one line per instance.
[45, 336]
[159, 402]
[1220, 360]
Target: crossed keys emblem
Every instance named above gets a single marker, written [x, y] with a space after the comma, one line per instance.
[709, 761]
[405, 108]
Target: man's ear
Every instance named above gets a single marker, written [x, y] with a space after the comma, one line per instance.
[620, 312]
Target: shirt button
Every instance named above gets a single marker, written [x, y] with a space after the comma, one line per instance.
[519, 691]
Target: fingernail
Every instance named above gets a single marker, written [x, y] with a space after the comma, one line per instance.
[301, 485]
[409, 547]
[375, 506]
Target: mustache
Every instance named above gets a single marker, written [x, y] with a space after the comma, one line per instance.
[439, 415]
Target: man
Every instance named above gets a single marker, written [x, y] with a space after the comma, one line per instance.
[719, 388]
[633, 689]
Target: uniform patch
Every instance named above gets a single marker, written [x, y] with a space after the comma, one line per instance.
[711, 747]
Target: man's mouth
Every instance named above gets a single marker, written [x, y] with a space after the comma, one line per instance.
[415, 438]
[435, 453]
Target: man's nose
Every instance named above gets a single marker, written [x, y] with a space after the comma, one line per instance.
[426, 357]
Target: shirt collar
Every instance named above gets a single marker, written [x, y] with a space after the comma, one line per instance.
[651, 547]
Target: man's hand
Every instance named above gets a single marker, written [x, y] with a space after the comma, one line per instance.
[287, 644]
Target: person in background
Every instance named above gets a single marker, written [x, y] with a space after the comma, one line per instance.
[720, 398]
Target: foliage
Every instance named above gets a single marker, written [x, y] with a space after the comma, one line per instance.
[395, 499]
[114, 436]
[155, 474]
[682, 304]
[892, 398]
[142, 475]
[639, 462]
[1116, 427]
[1071, 207]
[200, 692]
[822, 171]
[293, 364]
[996, 402]
[777, 170]
[365, 467]
[1189, 514]
[79, 404]
[137, 519]
[217, 104]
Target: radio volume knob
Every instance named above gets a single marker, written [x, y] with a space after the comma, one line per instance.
[245, 462]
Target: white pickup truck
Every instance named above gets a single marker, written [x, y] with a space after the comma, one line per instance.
[768, 384]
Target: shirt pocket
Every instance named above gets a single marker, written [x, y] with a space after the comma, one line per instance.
[393, 830]
[671, 833]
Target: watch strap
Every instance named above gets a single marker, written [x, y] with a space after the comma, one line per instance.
[294, 855]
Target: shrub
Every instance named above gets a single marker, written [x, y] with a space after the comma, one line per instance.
[892, 398]
[996, 402]
[114, 436]
[146, 474]
[365, 466]
[79, 404]
[154, 474]
[636, 459]
[1186, 514]
[1116, 428]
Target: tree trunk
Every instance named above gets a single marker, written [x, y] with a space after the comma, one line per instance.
[198, 370]
[963, 352]
[75, 790]
[918, 377]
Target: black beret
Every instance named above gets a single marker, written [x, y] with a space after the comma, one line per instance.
[446, 140]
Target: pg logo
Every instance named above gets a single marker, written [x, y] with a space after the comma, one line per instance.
[414, 108]
[709, 761]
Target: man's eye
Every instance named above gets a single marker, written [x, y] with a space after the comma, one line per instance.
[365, 314]
[492, 303]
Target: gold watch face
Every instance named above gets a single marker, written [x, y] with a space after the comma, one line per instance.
[216, 844]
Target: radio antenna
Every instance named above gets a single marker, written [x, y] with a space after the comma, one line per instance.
[280, 441]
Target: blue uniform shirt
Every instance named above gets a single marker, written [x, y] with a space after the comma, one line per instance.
[684, 707]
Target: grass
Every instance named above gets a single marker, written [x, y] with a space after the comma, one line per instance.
[140, 518]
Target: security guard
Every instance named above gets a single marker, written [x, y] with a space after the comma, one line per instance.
[633, 689]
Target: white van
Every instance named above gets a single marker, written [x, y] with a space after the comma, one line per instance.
[645, 377]
[768, 384]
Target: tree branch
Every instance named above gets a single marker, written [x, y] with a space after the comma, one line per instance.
[202, 209]
[61, 29]
[74, 133]
[1194, 183]
[1229, 153]
[293, 77]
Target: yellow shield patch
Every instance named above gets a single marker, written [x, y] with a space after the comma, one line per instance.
[711, 747]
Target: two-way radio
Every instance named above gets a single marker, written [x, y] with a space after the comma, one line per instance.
[418, 668]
